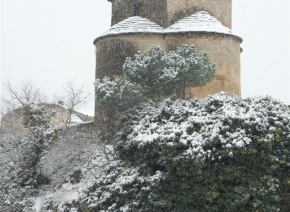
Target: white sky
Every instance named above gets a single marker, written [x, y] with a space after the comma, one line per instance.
[50, 42]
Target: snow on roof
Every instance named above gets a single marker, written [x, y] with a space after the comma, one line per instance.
[86, 112]
[200, 21]
[134, 24]
[75, 119]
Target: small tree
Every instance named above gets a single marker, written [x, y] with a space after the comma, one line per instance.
[164, 74]
[74, 97]
[154, 74]
[37, 121]
[22, 154]
[20, 151]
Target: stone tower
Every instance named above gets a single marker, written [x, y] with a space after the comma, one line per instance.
[139, 24]
[167, 12]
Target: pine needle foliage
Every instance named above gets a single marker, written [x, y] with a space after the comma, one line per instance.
[164, 74]
[155, 74]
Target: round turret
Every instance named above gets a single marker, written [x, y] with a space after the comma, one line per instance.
[139, 24]
[201, 29]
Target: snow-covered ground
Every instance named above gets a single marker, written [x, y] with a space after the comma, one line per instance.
[72, 153]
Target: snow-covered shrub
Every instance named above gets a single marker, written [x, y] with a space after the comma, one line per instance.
[13, 197]
[118, 94]
[22, 154]
[75, 176]
[222, 153]
[37, 120]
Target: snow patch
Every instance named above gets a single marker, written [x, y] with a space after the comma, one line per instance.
[134, 24]
[200, 21]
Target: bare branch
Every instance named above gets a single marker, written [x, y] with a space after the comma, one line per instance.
[25, 93]
[74, 98]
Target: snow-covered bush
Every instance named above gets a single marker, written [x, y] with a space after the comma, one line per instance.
[118, 94]
[222, 153]
[37, 120]
[13, 197]
[22, 154]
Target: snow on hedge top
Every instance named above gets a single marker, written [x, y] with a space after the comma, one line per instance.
[134, 24]
[230, 122]
[200, 21]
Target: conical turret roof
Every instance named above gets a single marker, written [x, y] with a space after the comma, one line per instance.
[134, 24]
[200, 21]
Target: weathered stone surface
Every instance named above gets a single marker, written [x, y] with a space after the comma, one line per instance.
[166, 12]
[111, 53]
[223, 51]
[154, 10]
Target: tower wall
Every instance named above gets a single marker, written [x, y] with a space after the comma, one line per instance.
[220, 9]
[166, 12]
[112, 51]
[223, 51]
[154, 10]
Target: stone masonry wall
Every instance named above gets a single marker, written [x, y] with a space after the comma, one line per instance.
[111, 52]
[154, 10]
[167, 12]
[223, 51]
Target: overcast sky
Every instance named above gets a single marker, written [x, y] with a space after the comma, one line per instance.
[50, 42]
